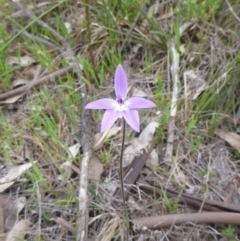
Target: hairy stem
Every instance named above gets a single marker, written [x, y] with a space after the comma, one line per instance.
[88, 31]
[122, 182]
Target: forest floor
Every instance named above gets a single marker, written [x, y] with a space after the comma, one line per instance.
[59, 175]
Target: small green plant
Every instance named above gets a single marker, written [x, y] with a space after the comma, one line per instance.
[206, 172]
[229, 231]
[205, 9]
[9, 41]
[192, 123]
[148, 62]
[203, 189]
[236, 154]
[171, 205]
[37, 177]
[163, 106]
[213, 123]
[105, 156]
[207, 176]
[196, 143]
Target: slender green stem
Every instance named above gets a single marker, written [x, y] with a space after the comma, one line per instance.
[122, 182]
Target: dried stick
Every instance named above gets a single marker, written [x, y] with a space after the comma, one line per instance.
[205, 204]
[173, 111]
[36, 83]
[195, 218]
[86, 141]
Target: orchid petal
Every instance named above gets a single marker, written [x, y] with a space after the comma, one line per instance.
[102, 104]
[139, 103]
[108, 119]
[120, 83]
[132, 119]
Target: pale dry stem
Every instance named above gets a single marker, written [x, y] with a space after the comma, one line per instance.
[173, 111]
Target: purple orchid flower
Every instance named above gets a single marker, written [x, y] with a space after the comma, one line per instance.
[120, 107]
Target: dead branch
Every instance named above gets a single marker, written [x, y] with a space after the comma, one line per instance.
[155, 222]
[197, 202]
[25, 88]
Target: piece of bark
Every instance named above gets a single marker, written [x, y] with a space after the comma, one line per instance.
[155, 222]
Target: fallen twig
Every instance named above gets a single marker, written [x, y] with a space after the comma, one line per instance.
[155, 222]
[36, 83]
[199, 203]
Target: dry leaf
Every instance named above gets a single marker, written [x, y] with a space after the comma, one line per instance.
[146, 135]
[184, 27]
[19, 82]
[23, 61]
[95, 168]
[194, 85]
[11, 209]
[13, 174]
[11, 100]
[134, 205]
[231, 137]
[139, 143]
[74, 150]
[113, 131]
[139, 93]
[65, 224]
[98, 141]
[108, 230]
[67, 171]
[153, 160]
[68, 26]
[109, 186]
[67, 166]
[99, 138]
[131, 151]
[5, 186]
[19, 230]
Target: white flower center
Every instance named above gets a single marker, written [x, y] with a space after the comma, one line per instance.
[120, 108]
